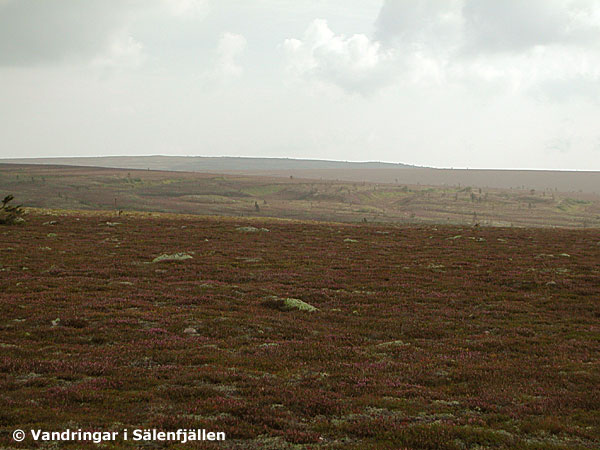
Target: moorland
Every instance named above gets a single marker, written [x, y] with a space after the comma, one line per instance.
[400, 336]
[298, 314]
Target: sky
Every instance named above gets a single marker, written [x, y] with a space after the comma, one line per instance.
[438, 83]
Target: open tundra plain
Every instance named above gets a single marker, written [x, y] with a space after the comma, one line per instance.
[300, 335]
[400, 201]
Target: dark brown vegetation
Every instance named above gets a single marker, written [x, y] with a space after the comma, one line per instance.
[10, 214]
[204, 194]
[426, 337]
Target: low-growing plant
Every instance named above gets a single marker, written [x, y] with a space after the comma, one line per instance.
[420, 340]
[9, 214]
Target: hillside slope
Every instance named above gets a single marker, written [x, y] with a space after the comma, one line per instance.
[244, 195]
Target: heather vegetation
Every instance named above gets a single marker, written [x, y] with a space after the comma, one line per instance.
[423, 337]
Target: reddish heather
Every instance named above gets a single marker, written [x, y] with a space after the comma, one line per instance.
[424, 338]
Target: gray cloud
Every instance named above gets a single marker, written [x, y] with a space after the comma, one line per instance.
[48, 31]
[33, 31]
[411, 81]
[419, 21]
[548, 48]
[488, 26]
[517, 25]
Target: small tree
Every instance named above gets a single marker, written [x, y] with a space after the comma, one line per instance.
[10, 215]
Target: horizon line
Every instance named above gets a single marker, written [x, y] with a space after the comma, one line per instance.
[408, 165]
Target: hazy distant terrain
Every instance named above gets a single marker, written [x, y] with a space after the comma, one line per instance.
[373, 172]
[562, 181]
[89, 188]
[205, 164]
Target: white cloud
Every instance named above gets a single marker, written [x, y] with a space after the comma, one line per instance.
[123, 52]
[187, 8]
[559, 145]
[549, 48]
[230, 47]
[356, 64]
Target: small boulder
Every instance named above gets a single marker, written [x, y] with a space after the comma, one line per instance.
[174, 257]
[288, 304]
[252, 230]
[392, 344]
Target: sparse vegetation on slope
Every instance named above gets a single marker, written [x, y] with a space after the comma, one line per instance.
[205, 194]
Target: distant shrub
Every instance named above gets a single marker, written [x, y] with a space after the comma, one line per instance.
[287, 304]
[10, 215]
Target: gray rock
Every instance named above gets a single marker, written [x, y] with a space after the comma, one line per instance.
[174, 257]
[252, 230]
[288, 304]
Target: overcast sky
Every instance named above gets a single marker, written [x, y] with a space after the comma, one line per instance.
[442, 83]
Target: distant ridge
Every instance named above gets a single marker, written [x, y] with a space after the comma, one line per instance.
[371, 172]
[203, 163]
